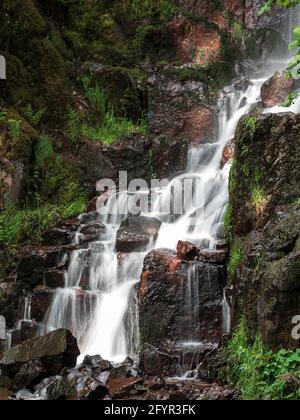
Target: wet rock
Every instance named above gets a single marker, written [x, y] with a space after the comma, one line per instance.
[276, 90]
[57, 237]
[216, 392]
[54, 279]
[213, 257]
[166, 283]
[94, 164]
[187, 250]
[157, 363]
[29, 374]
[87, 218]
[33, 263]
[76, 385]
[40, 357]
[9, 294]
[156, 383]
[136, 232]
[121, 387]
[96, 362]
[28, 330]
[131, 154]
[41, 299]
[91, 232]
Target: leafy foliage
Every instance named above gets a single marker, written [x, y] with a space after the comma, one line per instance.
[34, 117]
[259, 374]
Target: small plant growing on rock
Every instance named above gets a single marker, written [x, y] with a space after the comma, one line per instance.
[34, 117]
[259, 200]
[14, 129]
[250, 123]
[234, 260]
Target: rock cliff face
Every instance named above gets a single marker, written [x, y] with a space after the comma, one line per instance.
[265, 276]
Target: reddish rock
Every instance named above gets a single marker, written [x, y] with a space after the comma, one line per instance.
[276, 90]
[187, 250]
[166, 283]
[199, 124]
[120, 387]
[195, 42]
[190, 252]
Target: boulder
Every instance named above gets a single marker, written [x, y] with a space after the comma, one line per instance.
[78, 384]
[96, 362]
[135, 233]
[39, 358]
[91, 232]
[182, 299]
[189, 252]
[277, 89]
[33, 262]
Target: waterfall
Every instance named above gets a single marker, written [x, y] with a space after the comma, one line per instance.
[100, 308]
[99, 301]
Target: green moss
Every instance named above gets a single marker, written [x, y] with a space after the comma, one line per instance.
[250, 124]
[235, 259]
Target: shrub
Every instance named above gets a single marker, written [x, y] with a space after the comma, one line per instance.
[257, 372]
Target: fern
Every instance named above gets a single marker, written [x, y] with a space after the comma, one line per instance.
[34, 117]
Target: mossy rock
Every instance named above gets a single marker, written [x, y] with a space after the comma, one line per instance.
[121, 91]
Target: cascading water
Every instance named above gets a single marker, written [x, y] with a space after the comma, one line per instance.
[97, 311]
[101, 308]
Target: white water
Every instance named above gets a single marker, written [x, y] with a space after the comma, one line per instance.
[103, 315]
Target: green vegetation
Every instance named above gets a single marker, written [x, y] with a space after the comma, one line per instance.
[259, 198]
[34, 117]
[290, 100]
[228, 222]
[15, 129]
[234, 259]
[250, 123]
[260, 374]
[113, 128]
[27, 225]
